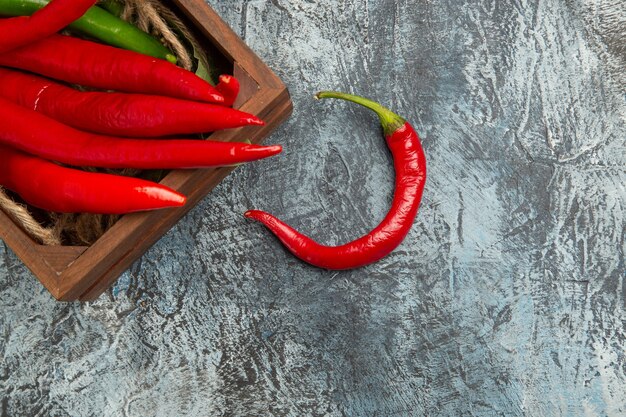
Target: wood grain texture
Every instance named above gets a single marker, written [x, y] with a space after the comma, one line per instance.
[508, 297]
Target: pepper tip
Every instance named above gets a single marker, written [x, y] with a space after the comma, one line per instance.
[255, 121]
[275, 149]
[270, 150]
[179, 200]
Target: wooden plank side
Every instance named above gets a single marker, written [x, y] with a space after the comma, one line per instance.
[29, 252]
[248, 86]
[59, 258]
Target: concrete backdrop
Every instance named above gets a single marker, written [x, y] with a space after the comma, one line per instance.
[507, 298]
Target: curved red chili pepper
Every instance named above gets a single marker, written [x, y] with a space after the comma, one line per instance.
[101, 66]
[37, 134]
[118, 114]
[22, 30]
[228, 86]
[51, 187]
[410, 166]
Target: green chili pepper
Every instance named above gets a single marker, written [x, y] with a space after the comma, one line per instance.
[99, 24]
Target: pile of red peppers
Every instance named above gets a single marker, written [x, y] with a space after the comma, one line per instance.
[48, 122]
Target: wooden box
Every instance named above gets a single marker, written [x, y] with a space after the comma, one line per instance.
[83, 273]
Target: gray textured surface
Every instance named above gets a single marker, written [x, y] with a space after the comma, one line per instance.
[507, 298]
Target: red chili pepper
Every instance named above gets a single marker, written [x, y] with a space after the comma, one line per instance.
[100, 66]
[410, 166]
[51, 187]
[228, 86]
[118, 114]
[37, 134]
[22, 30]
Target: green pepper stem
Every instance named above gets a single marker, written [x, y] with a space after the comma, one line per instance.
[388, 119]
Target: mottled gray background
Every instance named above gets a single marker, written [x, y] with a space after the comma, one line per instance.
[507, 298]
